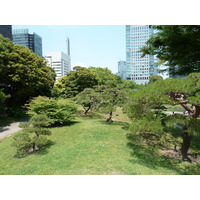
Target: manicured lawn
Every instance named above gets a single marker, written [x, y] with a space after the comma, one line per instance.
[89, 146]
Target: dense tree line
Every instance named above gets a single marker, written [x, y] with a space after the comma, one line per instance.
[25, 76]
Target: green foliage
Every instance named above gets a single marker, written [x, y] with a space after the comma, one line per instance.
[147, 125]
[33, 137]
[22, 142]
[88, 98]
[104, 74]
[3, 97]
[23, 74]
[112, 95]
[148, 102]
[177, 46]
[59, 111]
[154, 78]
[75, 82]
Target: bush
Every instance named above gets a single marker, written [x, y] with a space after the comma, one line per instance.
[59, 111]
[33, 137]
[22, 142]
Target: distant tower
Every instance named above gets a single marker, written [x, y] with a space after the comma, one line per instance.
[68, 46]
[122, 69]
[68, 53]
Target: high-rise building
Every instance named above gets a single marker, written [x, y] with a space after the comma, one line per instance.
[32, 41]
[122, 69]
[60, 62]
[6, 31]
[138, 69]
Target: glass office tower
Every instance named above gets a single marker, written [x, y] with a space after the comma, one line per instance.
[139, 69]
[6, 31]
[31, 41]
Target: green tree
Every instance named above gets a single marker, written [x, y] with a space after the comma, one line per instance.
[60, 111]
[177, 46]
[104, 74]
[175, 92]
[23, 74]
[111, 95]
[154, 78]
[88, 98]
[75, 82]
[3, 97]
[33, 137]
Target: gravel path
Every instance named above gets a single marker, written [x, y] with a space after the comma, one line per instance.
[9, 130]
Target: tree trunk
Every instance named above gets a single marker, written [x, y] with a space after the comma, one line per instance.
[186, 143]
[34, 147]
[109, 118]
[86, 111]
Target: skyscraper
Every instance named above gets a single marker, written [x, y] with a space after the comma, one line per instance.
[32, 41]
[122, 69]
[139, 69]
[60, 61]
[6, 31]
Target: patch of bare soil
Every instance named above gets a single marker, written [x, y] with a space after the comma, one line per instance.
[171, 153]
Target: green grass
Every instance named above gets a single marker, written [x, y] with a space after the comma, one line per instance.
[91, 146]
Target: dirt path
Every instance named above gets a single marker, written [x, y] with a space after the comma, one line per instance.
[9, 130]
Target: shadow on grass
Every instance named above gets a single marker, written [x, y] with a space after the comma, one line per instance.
[174, 131]
[91, 115]
[42, 151]
[124, 125]
[64, 124]
[150, 157]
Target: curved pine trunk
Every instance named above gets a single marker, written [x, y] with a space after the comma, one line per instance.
[186, 143]
[109, 119]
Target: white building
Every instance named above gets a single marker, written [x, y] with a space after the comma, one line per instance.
[60, 62]
[139, 69]
[122, 69]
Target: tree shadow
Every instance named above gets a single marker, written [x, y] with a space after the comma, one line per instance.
[91, 115]
[64, 124]
[150, 157]
[6, 122]
[42, 151]
[124, 125]
[174, 131]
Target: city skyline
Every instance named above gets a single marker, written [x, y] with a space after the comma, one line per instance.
[90, 45]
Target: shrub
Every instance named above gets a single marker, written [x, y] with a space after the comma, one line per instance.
[59, 111]
[22, 142]
[33, 137]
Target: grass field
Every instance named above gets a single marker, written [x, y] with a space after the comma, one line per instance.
[90, 146]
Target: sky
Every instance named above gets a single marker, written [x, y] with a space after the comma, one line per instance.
[90, 45]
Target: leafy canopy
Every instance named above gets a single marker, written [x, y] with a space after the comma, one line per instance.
[23, 74]
[75, 82]
[178, 46]
[59, 111]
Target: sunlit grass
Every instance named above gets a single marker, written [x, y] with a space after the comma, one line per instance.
[88, 146]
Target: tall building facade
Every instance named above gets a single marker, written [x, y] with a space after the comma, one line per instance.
[60, 62]
[122, 69]
[138, 69]
[6, 31]
[31, 41]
